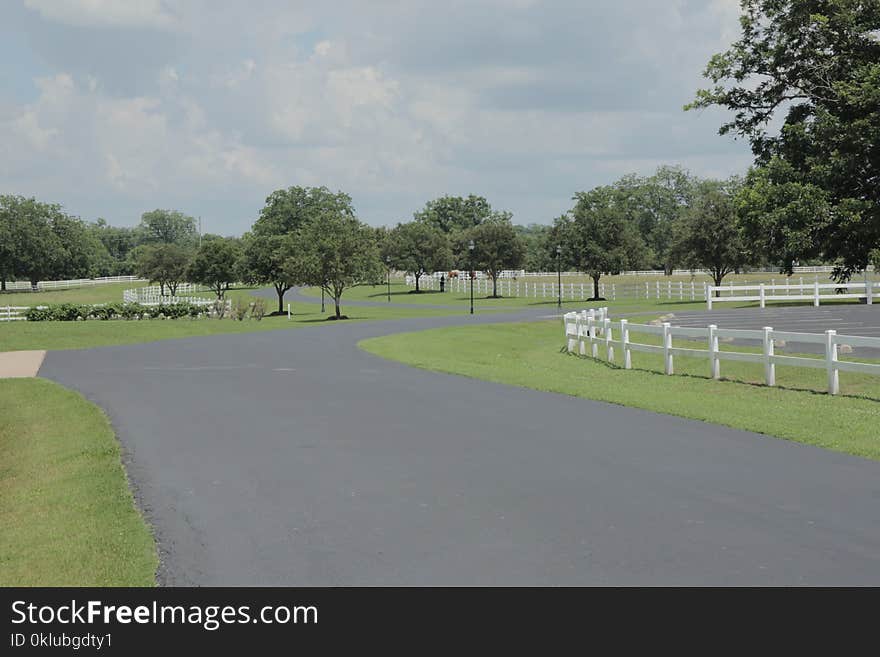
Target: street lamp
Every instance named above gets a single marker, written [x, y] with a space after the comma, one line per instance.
[388, 262]
[471, 273]
[559, 276]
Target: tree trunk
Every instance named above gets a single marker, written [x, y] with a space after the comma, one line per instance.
[161, 289]
[418, 276]
[595, 286]
[172, 287]
[717, 278]
[495, 287]
[3, 285]
[279, 290]
[338, 311]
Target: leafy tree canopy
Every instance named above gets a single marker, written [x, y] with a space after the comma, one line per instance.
[287, 210]
[164, 264]
[168, 227]
[417, 248]
[336, 252]
[497, 247]
[449, 214]
[817, 64]
[214, 264]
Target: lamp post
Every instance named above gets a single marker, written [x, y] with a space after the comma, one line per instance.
[559, 276]
[388, 262]
[471, 272]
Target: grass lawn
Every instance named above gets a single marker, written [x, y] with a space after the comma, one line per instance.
[67, 517]
[104, 293]
[531, 355]
[80, 335]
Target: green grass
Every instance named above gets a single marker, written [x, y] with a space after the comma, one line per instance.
[23, 335]
[104, 293]
[530, 355]
[67, 517]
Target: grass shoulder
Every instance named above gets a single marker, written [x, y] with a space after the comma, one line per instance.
[68, 517]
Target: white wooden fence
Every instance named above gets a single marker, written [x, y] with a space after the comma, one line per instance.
[815, 292]
[13, 313]
[63, 285]
[594, 327]
[152, 295]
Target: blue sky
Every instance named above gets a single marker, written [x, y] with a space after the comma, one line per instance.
[113, 108]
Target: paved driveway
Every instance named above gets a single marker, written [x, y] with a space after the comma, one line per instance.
[294, 458]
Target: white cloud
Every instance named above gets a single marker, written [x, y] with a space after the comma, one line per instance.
[105, 13]
[394, 102]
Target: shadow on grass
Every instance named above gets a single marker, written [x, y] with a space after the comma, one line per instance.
[700, 377]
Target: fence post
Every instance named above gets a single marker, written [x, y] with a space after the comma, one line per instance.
[288, 312]
[647, 291]
[624, 344]
[609, 344]
[709, 290]
[582, 345]
[816, 293]
[761, 292]
[869, 290]
[667, 348]
[831, 361]
[565, 322]
[769, 366]
[591, 322]
[614, 292]
[714, 361]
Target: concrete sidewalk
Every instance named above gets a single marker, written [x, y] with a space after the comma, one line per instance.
[20, 364]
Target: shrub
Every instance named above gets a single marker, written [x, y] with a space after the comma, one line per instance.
[220, 309]
[239, 309]
[258, 309]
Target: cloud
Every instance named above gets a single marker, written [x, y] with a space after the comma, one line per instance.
[208, 106]
[105, 13]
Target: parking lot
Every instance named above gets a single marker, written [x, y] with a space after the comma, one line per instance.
[862, 320]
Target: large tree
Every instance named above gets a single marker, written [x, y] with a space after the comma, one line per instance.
[817, 64]
[497, 247]
[34, 250]
[169, 227]
[335, 252]
[709, 235]
[286, 210]
[164, 264]
[450, 214]
[654, 203]
[262, 261]
[214, 264]
[417, 248]
[598, 237]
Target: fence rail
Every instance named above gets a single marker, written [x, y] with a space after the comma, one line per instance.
[594, 327]
[76, 282]
[152, 295]
[815, 292]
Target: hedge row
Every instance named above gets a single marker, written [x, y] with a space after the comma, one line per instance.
[70, 312]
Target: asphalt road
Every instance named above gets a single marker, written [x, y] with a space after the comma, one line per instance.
[293, 458]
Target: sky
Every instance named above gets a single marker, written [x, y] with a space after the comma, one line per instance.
[114, 108]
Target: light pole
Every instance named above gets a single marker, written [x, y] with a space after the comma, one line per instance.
[559, 276]
[471, 272]
[388, 262]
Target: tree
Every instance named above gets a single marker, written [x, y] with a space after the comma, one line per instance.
[262, 261]
[7, 244]
[710, 236]
[336, 252]
[164, 264]
[450, 214]
[654, 203]
[214, 264]
[497, 247]
[82, 252]
[598, 238]
[818, 62]
[417, 248]
[34, 250]
[118, 242]
[169, 227]
[286, 210]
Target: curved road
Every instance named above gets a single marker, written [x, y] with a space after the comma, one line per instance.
[294, 458]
